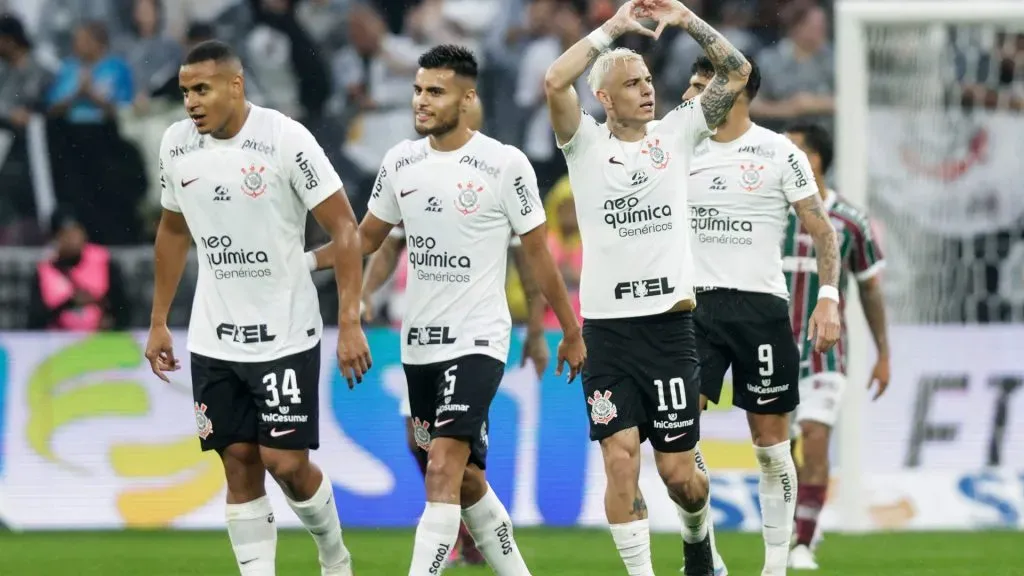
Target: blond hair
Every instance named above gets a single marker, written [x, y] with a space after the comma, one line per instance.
[605, 62]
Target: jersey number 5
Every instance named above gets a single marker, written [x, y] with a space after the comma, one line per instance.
[677, 392]
[289, 388]
[449, 379]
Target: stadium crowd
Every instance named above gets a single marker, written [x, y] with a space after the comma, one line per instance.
[87, 89]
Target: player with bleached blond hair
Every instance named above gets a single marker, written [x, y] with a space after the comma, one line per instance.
[641, 378]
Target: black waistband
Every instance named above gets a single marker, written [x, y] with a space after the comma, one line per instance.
[706, 289]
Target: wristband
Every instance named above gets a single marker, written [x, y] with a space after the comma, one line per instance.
[830, 292]
[600, 39]
[311, 261]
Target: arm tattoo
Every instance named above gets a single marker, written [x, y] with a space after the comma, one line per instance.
[639, 507]
[826, 246]
[873, 302]
[730, 65]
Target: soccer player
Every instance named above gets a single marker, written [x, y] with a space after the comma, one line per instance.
[743, 181]
[629, 176]
[823, 374]
[460, 195]
[238, 179]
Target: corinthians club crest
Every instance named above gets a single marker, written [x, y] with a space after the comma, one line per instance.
[602, 410]
[252, 181]
[421, 433]
[750, 177]
[468, 199]
[659, 158]
[203, 423]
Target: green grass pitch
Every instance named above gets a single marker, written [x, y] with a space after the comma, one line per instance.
[548, 552]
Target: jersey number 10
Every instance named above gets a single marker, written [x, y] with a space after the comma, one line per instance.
[677, 392]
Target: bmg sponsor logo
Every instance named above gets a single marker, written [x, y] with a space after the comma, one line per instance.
[798, 172]
[711, 226]
[429, 336]
[628, 218]
[523, 194]
[308, 170]
[434, 265]
[245, 334]
[643, 288]
[229, 261]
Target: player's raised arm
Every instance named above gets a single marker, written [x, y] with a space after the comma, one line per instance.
[563, 102]
[731, 68]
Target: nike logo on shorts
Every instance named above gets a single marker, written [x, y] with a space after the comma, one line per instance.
[275, 433]
[440, 423]
[674, 438]
[763, 401]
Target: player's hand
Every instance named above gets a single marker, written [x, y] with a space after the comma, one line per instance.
[880, 377]
[625, 20]
[536, 348]
[353, 353]
[666, 12]
[573, 351]
[824, 328]
[160, 352]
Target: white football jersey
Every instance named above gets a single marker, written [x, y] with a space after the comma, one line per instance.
[740, 193]
[631, 206]
[245, 200]
[459, 210]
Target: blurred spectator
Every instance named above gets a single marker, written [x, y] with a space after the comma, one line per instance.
[77, 285]
[991, 75]
[564, 29]
[96, 173]
[60, 18]
[154, 58]
[518, 23]
[564, 243]
[325, 21]
[798, 73]
[376, 74]
[23, 83]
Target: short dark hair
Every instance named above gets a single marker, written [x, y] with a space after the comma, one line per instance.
[210, 50]
[458, 59]
[818, 139]
[12, 28]
[704, 67]
[200, 31]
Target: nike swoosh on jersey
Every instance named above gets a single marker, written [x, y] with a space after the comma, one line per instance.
[674, 438]
[405, 193]
[612, 160]
[763, 401]
[275, 433]
[185, 183]
[440, 423]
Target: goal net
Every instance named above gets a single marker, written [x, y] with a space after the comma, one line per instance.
[930, 139]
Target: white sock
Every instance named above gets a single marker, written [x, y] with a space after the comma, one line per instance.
[777, 490]
[633, 540]
[253, 534]
[320, 516]
[702, 466]
[491, 527]
[435, 537]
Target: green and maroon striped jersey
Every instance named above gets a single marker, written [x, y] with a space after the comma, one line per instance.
[859, 253]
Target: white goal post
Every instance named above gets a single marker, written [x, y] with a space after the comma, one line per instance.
[853, 18]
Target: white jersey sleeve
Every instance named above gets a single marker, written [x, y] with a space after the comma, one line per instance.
[519, 197]
[687, 120]
[797, 178]
[168, 188]
[384, 201]
[587, 133]
[308, 170]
